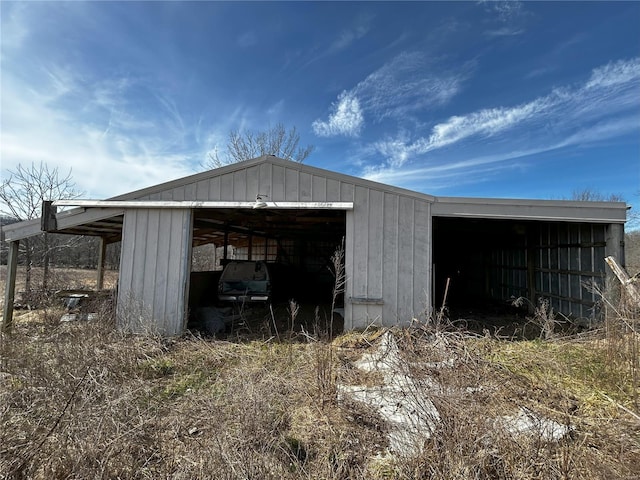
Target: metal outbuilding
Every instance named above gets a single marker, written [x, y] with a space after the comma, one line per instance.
[401, 246]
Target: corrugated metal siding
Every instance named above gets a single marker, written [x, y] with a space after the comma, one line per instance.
[566, 259]
[570, 257]
[388, 235]
[508, 270]
[154, 268]
[277, 182]
[389, 258]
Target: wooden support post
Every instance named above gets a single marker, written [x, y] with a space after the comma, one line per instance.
[531, 267]
[614, 237]
[266, 248]
[102, 250]
[226, 242]
[10, 287]
[615, 242]
[250, 247]
[625, 280]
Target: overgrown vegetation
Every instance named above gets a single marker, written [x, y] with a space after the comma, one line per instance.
[80, 400]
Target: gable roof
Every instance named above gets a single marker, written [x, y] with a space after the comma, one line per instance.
[270, 159]
[107, 221]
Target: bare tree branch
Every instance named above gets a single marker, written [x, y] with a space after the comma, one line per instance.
[276, 141]
[21, 197]
[22, 194]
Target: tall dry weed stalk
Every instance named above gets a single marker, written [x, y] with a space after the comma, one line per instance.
[544, 317]
[339, 281]
[622, 336]
[324, 355]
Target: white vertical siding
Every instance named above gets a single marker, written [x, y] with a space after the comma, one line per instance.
[154, 270]
[387, 241]
[278, 183]
[405, 253]
[388, 258]
[265, 180]
[422, 259]
[319, 189]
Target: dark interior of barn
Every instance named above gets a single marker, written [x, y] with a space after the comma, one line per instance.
[488, 264]
[298, 246]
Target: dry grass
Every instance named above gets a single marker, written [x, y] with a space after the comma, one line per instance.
[59, 278]
[79, 400]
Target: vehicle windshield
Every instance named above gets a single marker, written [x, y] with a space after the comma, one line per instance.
[244, 271]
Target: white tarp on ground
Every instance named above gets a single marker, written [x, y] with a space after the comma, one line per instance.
[530, 423]
[400, 401]
[410, 416]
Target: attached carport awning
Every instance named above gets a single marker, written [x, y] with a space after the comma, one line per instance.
[546, 210]
[105, 217]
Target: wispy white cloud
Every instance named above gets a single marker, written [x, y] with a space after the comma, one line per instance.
[487, 122]
[358, 30]
[507, 31]
[408, 83]
[506, 10]
[73, 123]
[620, 72]
[604, 107]
[445, 175]
[508, 13]
[12, 25]
[346, 118]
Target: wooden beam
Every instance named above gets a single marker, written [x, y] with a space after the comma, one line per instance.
[102, 250]
[625, 280]
[10, 287]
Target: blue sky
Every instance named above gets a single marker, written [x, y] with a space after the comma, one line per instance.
[493, 99]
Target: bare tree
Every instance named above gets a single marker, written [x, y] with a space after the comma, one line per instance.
[589, 195]
[21, 197]
[277, 140]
